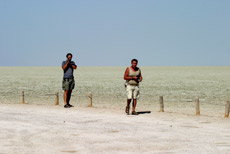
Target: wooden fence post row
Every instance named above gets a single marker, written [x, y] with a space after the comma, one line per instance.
[161, 102]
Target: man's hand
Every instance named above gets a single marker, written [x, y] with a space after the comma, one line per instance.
[137, 78]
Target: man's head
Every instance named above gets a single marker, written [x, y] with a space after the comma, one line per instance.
[134, 63]
[69, 56]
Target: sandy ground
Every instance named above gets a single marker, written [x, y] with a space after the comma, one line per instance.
[34, 129]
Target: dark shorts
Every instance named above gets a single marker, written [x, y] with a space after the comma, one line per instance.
[68, 84]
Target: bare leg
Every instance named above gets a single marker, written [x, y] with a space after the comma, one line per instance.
[66, 97]
[134, 104]
[127, 107]
[128, 102]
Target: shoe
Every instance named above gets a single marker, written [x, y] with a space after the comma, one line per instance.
[70, 105]
[66, 106]
[134, 113]
[127, 110]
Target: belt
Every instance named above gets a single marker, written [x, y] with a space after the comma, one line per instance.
[67, 79]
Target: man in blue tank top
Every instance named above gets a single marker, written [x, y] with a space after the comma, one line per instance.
[68, 82]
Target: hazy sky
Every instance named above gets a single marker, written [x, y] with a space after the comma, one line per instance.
[112, 32]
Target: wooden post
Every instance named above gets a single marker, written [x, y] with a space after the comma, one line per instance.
[161, 104]
[90, 100]
[197, 106]
[57, 99]
[23, 99]
[227, 108]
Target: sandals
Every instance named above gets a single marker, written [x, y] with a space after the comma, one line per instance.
[127, 111]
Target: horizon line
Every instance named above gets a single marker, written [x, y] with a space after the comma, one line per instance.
[122, 66]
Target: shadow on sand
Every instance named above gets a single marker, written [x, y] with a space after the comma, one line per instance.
[144, 112]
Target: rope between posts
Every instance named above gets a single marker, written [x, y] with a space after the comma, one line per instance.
[190, 101]
[154, 100]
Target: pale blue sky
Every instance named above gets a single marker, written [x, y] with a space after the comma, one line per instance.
[112, 32]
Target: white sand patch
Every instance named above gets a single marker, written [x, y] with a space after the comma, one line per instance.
[34, 129]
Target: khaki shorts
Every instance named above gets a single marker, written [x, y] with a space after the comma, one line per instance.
[132, 92]
[68, 84]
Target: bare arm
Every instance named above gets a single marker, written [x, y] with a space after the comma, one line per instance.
[126, 75]
[140, 79]
[74, 67]
[65, 66]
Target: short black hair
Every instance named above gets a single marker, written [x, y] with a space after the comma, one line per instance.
[134, 60]
[69, 54]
